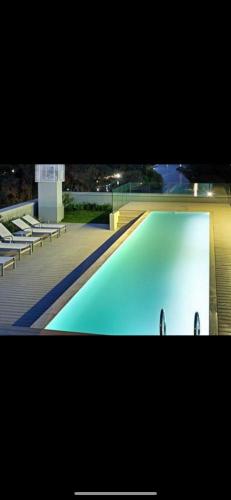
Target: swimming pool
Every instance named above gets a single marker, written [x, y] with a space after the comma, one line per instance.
[164, 263]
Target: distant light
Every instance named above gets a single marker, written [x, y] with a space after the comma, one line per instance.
[97, 189]
[209, 193]
[13, 171]
[117, 176]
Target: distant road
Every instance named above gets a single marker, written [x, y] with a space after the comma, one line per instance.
[171, 175]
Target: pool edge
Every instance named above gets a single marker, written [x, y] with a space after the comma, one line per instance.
[56, 307]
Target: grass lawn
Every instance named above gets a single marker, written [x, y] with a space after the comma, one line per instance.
[87, 216]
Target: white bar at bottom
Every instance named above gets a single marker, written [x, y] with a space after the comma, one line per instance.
[115, 493]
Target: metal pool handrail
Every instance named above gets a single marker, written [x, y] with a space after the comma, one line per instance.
[162, 322]
[197, 326]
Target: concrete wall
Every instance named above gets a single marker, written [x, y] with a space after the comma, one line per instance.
[113, 220]
[50, 201]
[15, 211]
[98, 198]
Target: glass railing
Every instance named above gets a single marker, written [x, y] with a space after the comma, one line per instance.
[151, 191]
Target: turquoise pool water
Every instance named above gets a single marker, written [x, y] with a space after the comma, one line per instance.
[163, 264]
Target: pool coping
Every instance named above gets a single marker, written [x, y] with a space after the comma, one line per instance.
[213, 315]
[55, 308]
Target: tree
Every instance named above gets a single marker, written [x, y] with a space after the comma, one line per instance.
[208, 172]
[16, 184]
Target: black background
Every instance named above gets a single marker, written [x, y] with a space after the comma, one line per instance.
[114, 413]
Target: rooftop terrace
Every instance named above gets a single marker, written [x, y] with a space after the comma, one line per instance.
[40, 279]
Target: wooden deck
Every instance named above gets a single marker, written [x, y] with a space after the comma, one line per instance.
[222, 236]
[37, 275]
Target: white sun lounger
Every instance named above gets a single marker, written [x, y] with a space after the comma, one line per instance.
[7, 236]
[35, 223]
[32, 230]
[18, 248]
[6, 262]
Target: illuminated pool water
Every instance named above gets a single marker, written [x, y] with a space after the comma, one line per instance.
[163, 264]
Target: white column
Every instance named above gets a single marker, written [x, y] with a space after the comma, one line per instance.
[50, 194]
[195, 189]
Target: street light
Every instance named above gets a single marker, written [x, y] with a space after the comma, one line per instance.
[210, 192]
